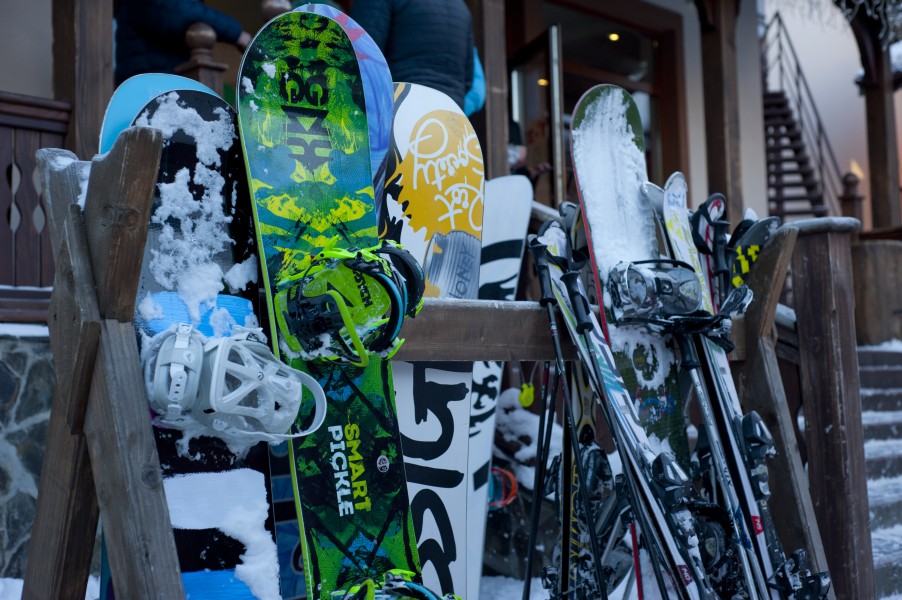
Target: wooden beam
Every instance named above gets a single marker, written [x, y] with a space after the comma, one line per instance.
[127, 475]
[117, 211]
[830, 385]
[475, 330]
[761, 389]
[83, 67]
[66, 513]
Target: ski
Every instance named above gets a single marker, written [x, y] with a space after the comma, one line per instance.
[657, 488]
[746, 439]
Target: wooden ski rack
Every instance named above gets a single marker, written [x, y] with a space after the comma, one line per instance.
[101, 460]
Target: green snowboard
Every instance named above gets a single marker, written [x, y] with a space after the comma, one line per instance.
[304, 129]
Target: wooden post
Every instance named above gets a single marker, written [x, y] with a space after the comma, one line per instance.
[880, 116]
[201, 67]
[718, 26]
[116, 455]
[761, 389]
[488, 29]
[828, 365]
[850, 200]
[83, 67]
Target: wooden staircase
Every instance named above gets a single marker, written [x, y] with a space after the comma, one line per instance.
[792, 185]
[881, 399]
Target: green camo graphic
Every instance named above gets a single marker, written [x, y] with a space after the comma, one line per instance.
[304, 130]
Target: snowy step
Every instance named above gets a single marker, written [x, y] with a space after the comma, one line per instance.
[882, 425]
[881, 377]
[878, 357]
[883, 458]
[886, 544]
[881, 399]
[885, 501]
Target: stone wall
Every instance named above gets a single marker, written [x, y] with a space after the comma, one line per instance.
[27, 380]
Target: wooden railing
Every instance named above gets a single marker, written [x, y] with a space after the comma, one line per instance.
[26, 261]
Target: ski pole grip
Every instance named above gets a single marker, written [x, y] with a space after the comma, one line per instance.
[720, 246]
[540, 257]
[577, 301]
[687, 352]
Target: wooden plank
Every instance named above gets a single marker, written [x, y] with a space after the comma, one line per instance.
[65, 519]
[117, 210]
[74, 322]
[61, 176]
[126, 467]
[828, 366]
[766, 282]
[48, 140]
[761, 389]
[470, 330]
[66, 515]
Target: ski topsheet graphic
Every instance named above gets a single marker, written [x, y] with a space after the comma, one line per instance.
[377, 90]
[304, 128]
[434, 207]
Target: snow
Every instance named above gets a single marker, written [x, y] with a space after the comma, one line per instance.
[195, 502]
[884, 490]
[888, 346]
[520, 426]
[194, 231]
[11, 589]
[882, 448]
[24, 330]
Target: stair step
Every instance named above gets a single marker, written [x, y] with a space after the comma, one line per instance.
[881, 399]
[783, 128]
[885, 501]
[880, 377]
[881, 424]
[813, 211]
[774, 149]
[774, 95]
[877, 356]
[776, 112]
[883, 458]
[815, 199]
[774, 169]
[886, 544]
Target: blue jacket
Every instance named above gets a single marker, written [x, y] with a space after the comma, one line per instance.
[150, 34]
[429, 42]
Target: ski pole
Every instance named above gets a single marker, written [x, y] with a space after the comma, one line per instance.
[539, 251]
[580, 307]
[538, 484]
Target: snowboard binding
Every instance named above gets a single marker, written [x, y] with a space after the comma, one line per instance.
[396, 583]
[230, 387]
[666, 294]
[346, 304]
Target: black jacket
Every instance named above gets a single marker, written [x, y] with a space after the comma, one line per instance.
[429, 42]
[150, 34]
